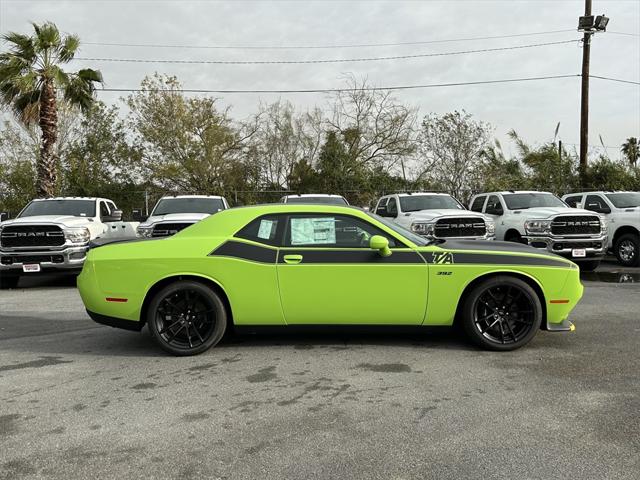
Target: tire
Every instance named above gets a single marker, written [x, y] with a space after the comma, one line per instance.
[8, 281]
[501, 313]
[589, 265]
[174, 326]
[627, 250]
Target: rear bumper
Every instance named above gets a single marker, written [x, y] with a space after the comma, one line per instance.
[115, 322]
[67, 259]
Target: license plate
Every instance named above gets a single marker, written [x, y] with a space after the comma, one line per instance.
[31, 267]
[578, 252]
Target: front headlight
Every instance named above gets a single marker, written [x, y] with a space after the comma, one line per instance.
[490, 227]
[144, 232]
[422, 228]
[537, 226]
[77, 235]
[603, 224]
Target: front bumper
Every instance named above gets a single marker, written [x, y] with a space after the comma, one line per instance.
[481, 237]
[65, 259]
[595, 246]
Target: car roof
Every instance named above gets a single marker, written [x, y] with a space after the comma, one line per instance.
[71, 198]
[303, 195]
[413, 194]
[192, 196]
[590, 192]
[507, 192]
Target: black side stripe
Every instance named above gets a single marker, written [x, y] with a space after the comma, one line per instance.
[448, 258]
[246, 251]
[352, 256]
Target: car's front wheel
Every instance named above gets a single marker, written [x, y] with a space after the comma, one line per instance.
[186, 318]
[501, 313]
[627, 250]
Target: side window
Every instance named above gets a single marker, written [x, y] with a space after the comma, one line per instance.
[573, 201]
[381, 209]
[392, 207]
[104, 210]
[337, 231]
[111, 206]
[267, 229]
[494, 207]
[478, 203]
[595, 203]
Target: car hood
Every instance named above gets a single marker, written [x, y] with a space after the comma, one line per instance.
[175, 217]
[546, 212]
[428, 215]
[66, 220]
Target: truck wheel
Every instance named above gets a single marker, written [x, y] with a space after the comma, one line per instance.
[501, 313]
[9, 281]
[627, 250]
[186, 318]
[589, 266]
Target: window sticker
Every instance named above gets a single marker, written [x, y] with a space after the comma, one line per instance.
[313, 231]
[267, 229]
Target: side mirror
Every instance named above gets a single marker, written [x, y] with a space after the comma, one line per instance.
[116, 216]
[4, 216]
[380, 243]
[382, 211]
[137, 215]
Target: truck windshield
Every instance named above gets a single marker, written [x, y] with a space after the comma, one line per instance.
[522, 201]
[417, 239]
[319, 199]
[624, 200]
[188, 205]
[415, 203]
[75, 208]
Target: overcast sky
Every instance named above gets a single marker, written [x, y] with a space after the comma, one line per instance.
[531, 108]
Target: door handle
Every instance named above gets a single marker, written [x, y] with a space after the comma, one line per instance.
[292, 259]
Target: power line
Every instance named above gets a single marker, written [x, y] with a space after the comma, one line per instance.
[336, 90]
[310, 47]
[615, 79]
[336, 60]
[624, 33]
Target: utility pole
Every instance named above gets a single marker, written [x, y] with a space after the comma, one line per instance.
[584, 100]
[589, 25]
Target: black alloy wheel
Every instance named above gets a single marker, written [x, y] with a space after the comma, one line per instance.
[502, 313]
[186, 318]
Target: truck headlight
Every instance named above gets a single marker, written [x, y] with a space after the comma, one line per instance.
[603, 225]
[490, 227]
[422, 228]
[537, 226]
[77, 235]
[144, 232]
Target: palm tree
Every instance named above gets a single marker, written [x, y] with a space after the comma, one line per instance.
[631, 150]
[32, 82]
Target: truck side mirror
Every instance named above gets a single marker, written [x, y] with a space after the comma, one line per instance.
[4, 216]
[116, 216]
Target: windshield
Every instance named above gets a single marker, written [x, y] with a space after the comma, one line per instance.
[522, 201]
[624, 200]
[415, 203]
[417, 239]
[75, 208]
[319, 199]
[188, 205]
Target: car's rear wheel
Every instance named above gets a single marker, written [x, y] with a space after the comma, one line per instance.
[8, 281]
[186, 318]
[627, 250]
[501, 313]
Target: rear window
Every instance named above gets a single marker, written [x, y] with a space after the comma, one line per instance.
[477, 204]
[265, 229]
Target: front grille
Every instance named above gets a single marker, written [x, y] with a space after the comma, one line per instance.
[575, 225]
[168, 229]
[460, 227]
[32, 236]
[560, 246]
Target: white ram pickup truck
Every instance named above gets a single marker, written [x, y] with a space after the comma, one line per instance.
[622, 211]
[435, 216]
[543, 221]
[174, 213]
[53, 235]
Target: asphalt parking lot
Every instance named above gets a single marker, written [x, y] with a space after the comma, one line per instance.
[80, 400]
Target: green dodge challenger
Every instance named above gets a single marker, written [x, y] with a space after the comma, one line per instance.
[293, 264]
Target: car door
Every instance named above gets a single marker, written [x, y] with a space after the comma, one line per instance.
[495, 210]
[597, 204]
[328, 274]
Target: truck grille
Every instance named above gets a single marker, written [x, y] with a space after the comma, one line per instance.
[460, 227]
[32, 236]
[168, 229]
[575, 225]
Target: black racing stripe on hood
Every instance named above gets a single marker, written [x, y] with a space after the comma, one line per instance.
[493, 246]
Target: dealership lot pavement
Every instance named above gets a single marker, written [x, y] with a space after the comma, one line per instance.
[79, 400]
